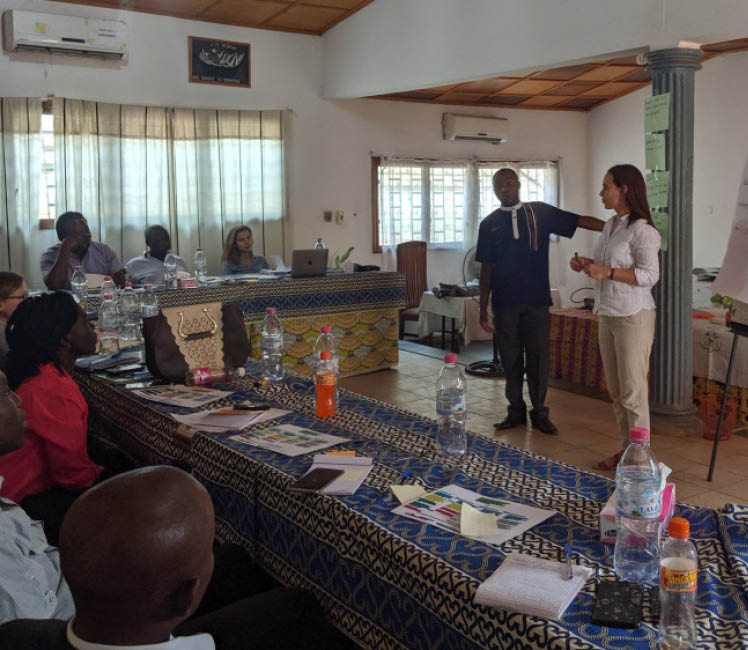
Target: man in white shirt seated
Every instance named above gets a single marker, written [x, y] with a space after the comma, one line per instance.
[31, 583]
[149, 267]
[137, 553]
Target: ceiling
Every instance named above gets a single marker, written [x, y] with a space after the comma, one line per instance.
[571, 88]
[303, 16]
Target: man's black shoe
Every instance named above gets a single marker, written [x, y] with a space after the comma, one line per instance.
[544, 425]
[509, 422]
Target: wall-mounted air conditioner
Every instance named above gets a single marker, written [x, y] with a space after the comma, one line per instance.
[30, 30]
[475, 127]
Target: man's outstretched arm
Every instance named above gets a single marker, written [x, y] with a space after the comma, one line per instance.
[590, 223]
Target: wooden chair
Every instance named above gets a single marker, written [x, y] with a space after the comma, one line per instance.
[411, 262]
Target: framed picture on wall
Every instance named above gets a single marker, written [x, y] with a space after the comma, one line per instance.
[225, 63]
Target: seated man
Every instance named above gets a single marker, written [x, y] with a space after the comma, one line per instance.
[137, 553]
[149, 267]
[76, 249]
[24, 550]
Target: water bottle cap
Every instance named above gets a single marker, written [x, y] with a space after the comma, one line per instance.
[639, 434]
[325, 329]
[147, 286]
[325, 355]
[450, 358]
[679, 528]
[107, 277]
[199, 249]
[128, 284]
[107, 296]
[271, 310]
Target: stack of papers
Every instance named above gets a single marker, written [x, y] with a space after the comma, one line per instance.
[531, 585]
[185, 396]
[356, 469]
[226, 419]
[289, 440]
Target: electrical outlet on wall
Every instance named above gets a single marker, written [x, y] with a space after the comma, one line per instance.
[327, 216]
[339, 217]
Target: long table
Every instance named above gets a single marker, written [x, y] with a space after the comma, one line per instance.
[362, 309]
[393, 583]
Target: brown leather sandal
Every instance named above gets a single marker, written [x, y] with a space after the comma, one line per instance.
[609, 463]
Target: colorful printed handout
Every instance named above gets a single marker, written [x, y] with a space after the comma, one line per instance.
[289, 440]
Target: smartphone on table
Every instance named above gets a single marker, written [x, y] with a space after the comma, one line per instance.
[314, 480]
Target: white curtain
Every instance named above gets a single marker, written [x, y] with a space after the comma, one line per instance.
[196, 172]
[20, 171]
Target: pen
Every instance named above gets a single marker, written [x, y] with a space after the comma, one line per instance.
[570, 573]
[254, 407]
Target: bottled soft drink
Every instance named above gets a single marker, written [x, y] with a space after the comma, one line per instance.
[79, 287]
[639, 501]
[212, 375]
[148, 302]
[108, 287]
[326, 381]
[271, 342]
[108, 325]
[201, 267]
[679, 570]
[170, 270]
[129, 310]
[320, 243]
[450, 408]
[326, 341]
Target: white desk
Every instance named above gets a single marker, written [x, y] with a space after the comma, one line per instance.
[464, 315]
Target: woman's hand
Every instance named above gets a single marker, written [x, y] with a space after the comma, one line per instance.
[578, 263]
[597, 272]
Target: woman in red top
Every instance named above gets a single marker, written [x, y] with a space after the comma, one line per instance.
[45, 336]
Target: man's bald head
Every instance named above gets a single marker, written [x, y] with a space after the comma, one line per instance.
[137, 549]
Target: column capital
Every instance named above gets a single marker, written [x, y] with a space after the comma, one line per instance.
[675, 57]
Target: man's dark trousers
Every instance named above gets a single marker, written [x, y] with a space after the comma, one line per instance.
[522, 339]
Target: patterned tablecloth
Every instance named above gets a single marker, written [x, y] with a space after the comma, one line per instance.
[574, 355]
[394, 583]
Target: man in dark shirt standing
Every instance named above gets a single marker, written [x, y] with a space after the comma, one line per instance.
[513, 251]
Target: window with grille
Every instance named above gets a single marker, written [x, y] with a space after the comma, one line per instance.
[47, 193]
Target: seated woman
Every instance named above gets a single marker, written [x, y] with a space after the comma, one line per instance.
[237, 253]
[12, 293]
[45, 335]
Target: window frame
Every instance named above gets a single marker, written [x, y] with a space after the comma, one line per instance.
[46, 223]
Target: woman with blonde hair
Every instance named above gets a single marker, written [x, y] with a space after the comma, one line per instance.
[625, 267]
[237, 253]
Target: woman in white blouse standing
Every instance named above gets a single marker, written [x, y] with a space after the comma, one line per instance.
[625, 267]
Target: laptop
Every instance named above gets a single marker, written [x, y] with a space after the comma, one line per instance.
[309, 262]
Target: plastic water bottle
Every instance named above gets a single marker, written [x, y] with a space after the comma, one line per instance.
[129, 309]
[450, 408]
[79, 287]
[320, 243]
[108, 326]
[639, 501]
[108, 286]
[148, 302]
[326, 381]
[170, 270]
[271, 342]
[212, 375]
[679, 571]
[326, 341]
[201, 266]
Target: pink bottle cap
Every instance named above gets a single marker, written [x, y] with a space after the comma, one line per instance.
[325, 329]
[128, 284]
[450, 358]
[271, 310]
[147, 286]
[107, 296]
[639, 435]
[107, 277]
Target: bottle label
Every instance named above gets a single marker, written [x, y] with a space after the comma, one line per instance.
[680, 581]
[645, 504]
[325, 379]
[201, 375]
[447, 405]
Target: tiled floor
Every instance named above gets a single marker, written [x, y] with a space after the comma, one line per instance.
[587, 430]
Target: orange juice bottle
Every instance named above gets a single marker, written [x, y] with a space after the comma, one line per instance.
[325, 380]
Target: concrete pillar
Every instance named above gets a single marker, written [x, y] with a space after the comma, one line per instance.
[671, 370]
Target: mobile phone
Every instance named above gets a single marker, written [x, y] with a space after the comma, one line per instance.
[618, 604]
[315, 480]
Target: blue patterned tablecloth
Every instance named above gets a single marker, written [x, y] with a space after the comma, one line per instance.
[395, 583]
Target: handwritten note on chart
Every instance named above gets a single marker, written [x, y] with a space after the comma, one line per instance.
[658, 187]
[657, 113]
[661, 222]
[732, 280]
[654, 150]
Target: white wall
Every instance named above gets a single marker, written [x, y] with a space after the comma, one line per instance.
[329, 142]
[396, 45]
[616, 134]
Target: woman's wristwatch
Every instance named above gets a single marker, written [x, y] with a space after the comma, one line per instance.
[610, 275]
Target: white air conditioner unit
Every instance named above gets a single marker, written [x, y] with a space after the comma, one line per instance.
[30, 30]
[475, 127]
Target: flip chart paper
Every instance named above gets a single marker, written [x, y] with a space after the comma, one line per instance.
[657, 113]
[654, 150]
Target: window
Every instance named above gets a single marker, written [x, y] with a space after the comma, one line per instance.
[431, 200]
[47, 195]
